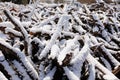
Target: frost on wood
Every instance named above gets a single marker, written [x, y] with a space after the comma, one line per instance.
[66, 41]
[9, 50]
[2, 77]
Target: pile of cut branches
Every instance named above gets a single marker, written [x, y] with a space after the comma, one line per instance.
[75, 41]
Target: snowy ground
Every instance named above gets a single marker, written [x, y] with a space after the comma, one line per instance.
[42, 41]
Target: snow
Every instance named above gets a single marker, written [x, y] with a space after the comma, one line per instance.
[99, 1]
[77, 68]
[92, 72]
[107, 64]
[101, 67]
[50, 75]
[80, 57]
[96, 17]
[77, 19]
[54, 51]
[105, 35]
[19, 25]
[27, 64]
[109, 77]
[66, 33]
[7, 24]
[95, 29]
[41, 29]
[83, 52]
[41, 71]
[3, 36]
[10, 30]
[67, 37]
[21, 70]
[115, 62]
[48, 27]
[70, 45]
[87, 10]
[8, 68]
[54, 36]
[26, 24]
[46, 21]
[23, 59]
[76, 51]
[1, 56]
[2, 77]
[107, 44]
[70, 74]
[80, 29]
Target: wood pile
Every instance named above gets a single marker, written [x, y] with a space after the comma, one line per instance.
[44, 41]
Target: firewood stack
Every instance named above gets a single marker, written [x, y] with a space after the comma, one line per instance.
[44, 41]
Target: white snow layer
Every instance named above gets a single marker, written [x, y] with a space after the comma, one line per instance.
[91, 59]
[54, 36]
[23, 59]
[54, 51]
[70, 74]
[8, 68]
[70, 45]
[50, 75]
[2, 77]
[91, 72]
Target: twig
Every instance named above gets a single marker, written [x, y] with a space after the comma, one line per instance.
[9, 50]
[18, 25]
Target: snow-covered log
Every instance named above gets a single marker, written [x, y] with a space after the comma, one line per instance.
[21, 70]
[91, 59]
[70, 74]
[9, 50]
[70, 45]
[50, 75]
[60, 41]
[8, 68]
[2, 77]
[91, 72]
[56, 34]
[20, 27]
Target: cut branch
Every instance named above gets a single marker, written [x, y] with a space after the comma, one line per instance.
[8, 49]
[19, 26]
[2, 77]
